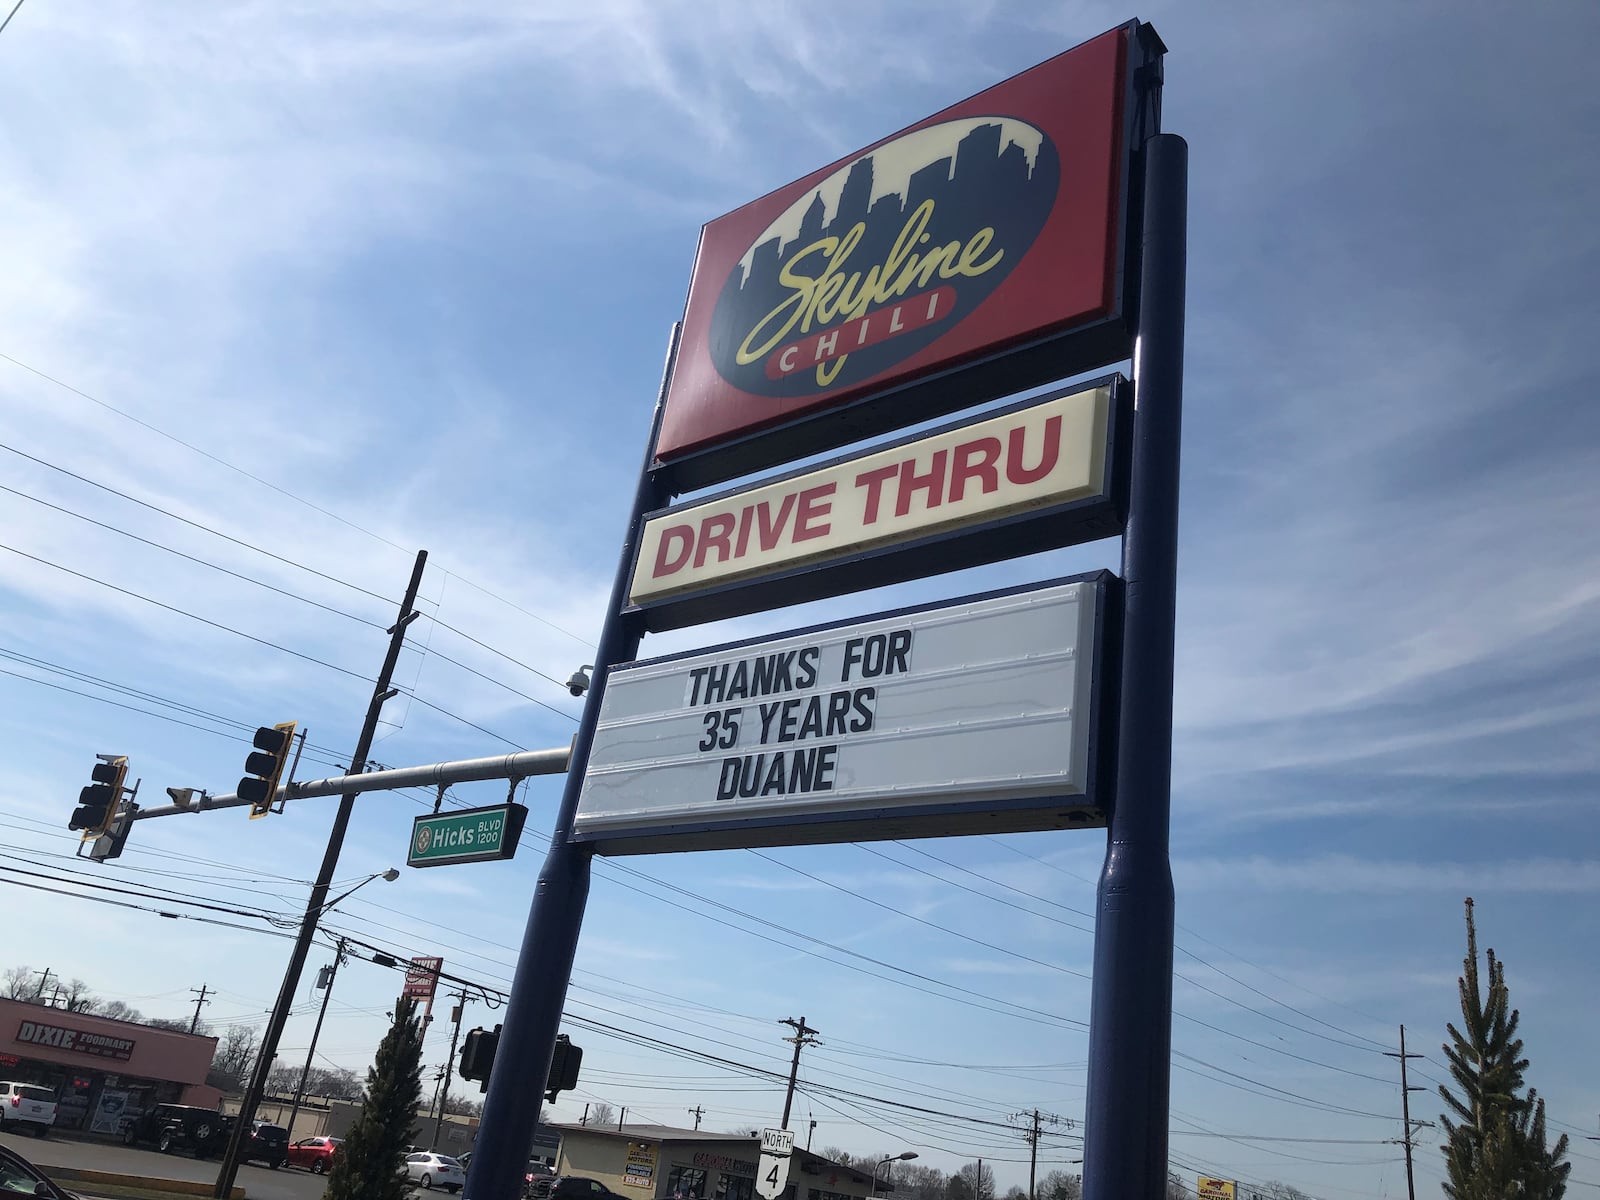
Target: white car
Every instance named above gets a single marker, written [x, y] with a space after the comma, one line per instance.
[23, 1104]
[436, 1170]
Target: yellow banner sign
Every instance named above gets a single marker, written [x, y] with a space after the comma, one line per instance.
[1216, 1189]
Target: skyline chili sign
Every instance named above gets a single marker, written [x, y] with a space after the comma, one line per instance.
[992, 225]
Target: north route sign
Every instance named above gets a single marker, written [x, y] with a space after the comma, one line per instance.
[994, 226]
[984, 713]
[466, 835]
[772, 1171]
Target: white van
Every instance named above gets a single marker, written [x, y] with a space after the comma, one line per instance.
[27, 1105]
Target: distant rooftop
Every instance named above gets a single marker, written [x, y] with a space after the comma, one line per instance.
[645, 1131]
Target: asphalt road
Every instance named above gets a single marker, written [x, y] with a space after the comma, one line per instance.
[259, 1183]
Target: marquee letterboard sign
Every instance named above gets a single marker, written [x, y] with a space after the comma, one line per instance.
[987, 227]
[978, 714]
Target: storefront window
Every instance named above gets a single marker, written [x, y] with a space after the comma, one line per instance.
[736, 1187]
[684, 1183]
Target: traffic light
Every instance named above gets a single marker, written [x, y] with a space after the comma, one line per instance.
[564, 1066]
[477, 1055]
[260, 788]
[97, 803]
[110, 843]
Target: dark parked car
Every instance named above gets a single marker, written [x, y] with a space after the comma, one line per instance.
[573, 1187]
[18, 1176]
[267, 1143]
[174, 1127]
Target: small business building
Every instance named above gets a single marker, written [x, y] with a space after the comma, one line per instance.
[658, 1162]
[101, 1070]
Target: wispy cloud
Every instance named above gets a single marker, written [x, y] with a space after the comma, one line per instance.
[1332, 874]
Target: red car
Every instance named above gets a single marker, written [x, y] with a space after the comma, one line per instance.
[315, 1153]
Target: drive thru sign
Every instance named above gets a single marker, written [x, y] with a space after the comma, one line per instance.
[772, 1175]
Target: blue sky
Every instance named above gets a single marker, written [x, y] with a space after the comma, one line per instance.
[412, 266]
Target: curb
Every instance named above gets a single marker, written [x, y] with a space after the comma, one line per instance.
[137, 1183]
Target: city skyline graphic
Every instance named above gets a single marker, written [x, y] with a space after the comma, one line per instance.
[1002, 175]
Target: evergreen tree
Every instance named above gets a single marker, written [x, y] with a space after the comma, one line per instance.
[367, 1166]
[1495, 1145]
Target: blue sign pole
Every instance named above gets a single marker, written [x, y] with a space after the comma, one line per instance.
[550, 940]
[1130, 1017]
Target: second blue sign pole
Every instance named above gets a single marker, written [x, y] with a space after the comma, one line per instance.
[1130, 1017]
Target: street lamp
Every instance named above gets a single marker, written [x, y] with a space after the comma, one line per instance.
[907, 1156]
[388, 876]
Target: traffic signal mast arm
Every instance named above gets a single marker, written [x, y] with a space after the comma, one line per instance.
[467, 770]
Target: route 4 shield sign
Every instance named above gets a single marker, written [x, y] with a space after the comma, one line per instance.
[772, 1175]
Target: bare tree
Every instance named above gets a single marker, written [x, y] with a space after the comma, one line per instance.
[1058, 1185]
[118, 1010]
[1177, 1189]
[17, 983]
[75, 996]
[979, 1178]
[601, 1113]
[460, 1106]
[179, 1025]
[915, 1182]
[236, 1050]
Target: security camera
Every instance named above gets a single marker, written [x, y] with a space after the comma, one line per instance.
[579, 683]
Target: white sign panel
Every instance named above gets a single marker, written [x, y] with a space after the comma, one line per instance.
[772, 1172]
[1052, 453]
[890, 726]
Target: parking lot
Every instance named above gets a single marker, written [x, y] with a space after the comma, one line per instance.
[259, 1183]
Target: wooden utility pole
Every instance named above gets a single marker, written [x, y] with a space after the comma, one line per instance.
[804, 1035]
[1405, 1109]
[202, 992]
[318, 900]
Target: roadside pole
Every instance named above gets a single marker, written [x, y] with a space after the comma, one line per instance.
[544, 966]
[381, 692]
[327, 994]
[1130, 1017]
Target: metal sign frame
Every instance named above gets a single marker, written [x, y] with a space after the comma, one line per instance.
[1130, 1026]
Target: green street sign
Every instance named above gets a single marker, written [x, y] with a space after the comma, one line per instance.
[466, 835]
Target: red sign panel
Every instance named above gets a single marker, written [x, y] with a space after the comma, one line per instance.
[422, 977]
[991, 224]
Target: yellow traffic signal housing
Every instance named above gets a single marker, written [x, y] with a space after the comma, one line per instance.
[97, 803]
[260, 787]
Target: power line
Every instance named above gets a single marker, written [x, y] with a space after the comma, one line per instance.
[9, 15]
[313, 603]
[260, 641]
[111, 408]
[299, 566]
[185, 613]
[261, 583]
[127, 416]
[921, 920]
[1028, 958]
